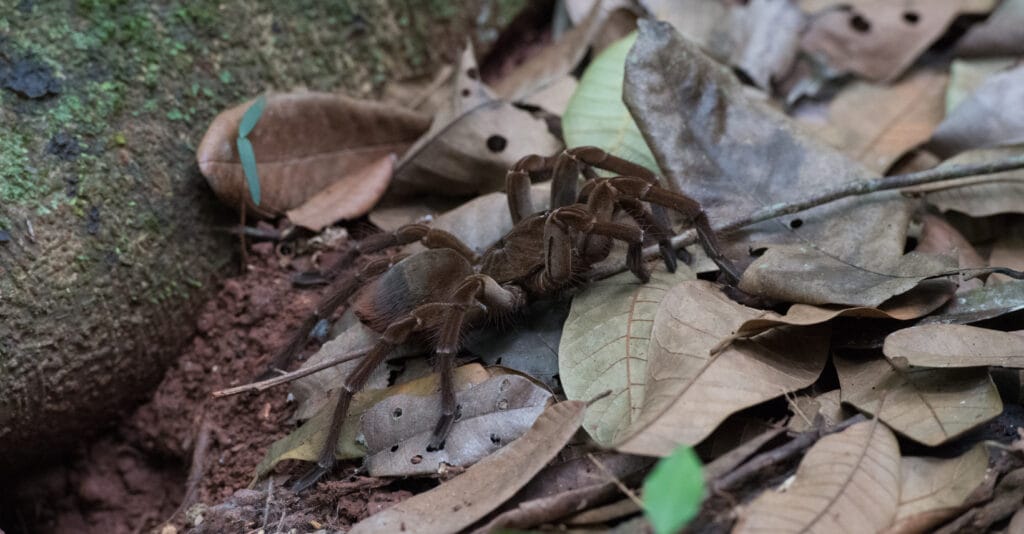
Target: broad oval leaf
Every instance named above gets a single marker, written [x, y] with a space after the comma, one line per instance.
[605, 344]
[689, 390]
[930, 406]
[491, 415]
[980, 304]
[349, 198]
[953, 345]
[933, 490]
[596, 115]
[304, 142]
[979, 196]
[460, 502]
[847, 482]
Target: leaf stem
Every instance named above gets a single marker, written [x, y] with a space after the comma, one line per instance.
[288, 377]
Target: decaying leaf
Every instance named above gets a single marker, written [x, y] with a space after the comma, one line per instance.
[689, 391]
[979, 196]
[605, 346]
[980, 304]
[480, 222]
[954, 345]
[847, 482]
[304, 142]
[398, 429]
[305, 442]
[878, 39]
[458, 503]
[809, 276]
[472, 142]
[934, 489]
[530, 346]
[903, 116]
[1007, 251]
[966, 75]
[705, 22]
[1002, 34]
[767, 38]
[930, 406]
[735, 154]
[989, 117]
[596, 115]
[349, 198]
[922, 300]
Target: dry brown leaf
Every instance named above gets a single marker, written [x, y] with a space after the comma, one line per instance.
[930, 406]
[979, 196]
[933, 490]
[980, 304]
[940, 237]
[954, 345]
[989, 117]
[903, 115]
[847, 482]
[705, 22]
[736, 154]
[1007, 251]
[1002, 34]
[806, 275]
[458, 503]
[349, 198]
[878, 39]
[555, 97]
[474, 139]
[605, 344]
[766, 34]
[805, 408]
[920, 301]
[303, 142]
[399, 428]
[557, 60]
[480, 222]
[689, 391]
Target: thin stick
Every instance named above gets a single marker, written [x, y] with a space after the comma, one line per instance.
[615, 480]
[859, 187]
[288, 377]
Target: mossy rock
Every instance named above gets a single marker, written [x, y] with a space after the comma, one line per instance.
[108, 237]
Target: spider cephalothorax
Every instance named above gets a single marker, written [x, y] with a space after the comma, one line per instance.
[436, 294]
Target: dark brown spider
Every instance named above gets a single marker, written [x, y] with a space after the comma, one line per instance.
[436, 294]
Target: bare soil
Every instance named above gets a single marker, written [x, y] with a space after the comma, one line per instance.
[136, 477]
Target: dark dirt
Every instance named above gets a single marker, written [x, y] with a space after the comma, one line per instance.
[134, 479]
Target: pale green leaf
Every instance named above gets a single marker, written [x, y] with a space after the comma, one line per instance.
[673, 491]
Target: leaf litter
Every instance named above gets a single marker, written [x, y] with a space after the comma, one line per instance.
[645, 368]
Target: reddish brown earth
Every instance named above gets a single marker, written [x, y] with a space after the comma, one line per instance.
[134, 478]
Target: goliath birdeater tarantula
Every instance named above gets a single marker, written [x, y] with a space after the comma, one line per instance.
[434, 295]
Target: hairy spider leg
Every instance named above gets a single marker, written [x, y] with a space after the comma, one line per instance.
[643, 190]
[448, 318]
[341, 290]
[558, 242]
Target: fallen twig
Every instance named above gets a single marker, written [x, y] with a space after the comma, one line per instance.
[288, 377]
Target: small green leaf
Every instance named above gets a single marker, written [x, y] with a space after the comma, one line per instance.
[673, 491]
[596, 114]
[251, 117]
[252, 177]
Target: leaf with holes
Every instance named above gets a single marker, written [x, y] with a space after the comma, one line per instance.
[460, 502]
[305, 442]
[605, 344]
[954, 345]
[847, 482]
[596, 115]
[488, 416]
[689, 390]
[930, 406]
[474, 139]
[304, 142]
